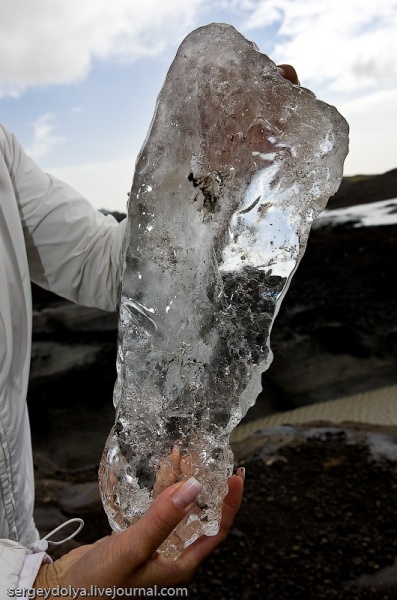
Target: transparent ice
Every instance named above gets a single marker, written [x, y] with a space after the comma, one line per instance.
[237, 164]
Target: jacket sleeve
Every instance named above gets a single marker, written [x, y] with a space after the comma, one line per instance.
[19, 566]
[72, 248]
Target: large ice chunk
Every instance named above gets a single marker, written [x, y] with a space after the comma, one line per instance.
[237, 164]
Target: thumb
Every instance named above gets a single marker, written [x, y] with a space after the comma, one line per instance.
[288, 72]
[170, 507]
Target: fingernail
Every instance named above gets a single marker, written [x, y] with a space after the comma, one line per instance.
[241, 472]
[187, 493]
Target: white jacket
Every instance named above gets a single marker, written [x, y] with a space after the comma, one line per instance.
[51, 235]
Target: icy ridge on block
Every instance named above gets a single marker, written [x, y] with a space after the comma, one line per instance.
[237, 164]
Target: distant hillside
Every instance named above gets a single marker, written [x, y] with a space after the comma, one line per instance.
[362, 189]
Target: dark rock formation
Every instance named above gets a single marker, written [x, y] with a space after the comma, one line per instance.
[362, 189]
[336, 331]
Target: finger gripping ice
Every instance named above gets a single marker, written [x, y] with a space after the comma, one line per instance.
[237, 164]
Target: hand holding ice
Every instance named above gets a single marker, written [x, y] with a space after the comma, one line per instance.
[237, 164]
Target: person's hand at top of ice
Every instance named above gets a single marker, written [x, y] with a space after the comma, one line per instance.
[129, 559]
[288, 72]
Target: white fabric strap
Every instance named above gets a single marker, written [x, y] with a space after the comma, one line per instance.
[19, 565]
[42, 544]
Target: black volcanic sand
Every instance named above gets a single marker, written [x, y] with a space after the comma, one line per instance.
[318, 521]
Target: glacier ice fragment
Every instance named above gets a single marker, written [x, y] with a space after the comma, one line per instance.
[237, 164]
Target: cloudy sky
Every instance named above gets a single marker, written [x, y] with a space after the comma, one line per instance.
[79, 80]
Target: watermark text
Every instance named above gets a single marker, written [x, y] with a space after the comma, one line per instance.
[98, 592]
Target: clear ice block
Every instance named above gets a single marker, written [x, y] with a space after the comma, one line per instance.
[237, 164]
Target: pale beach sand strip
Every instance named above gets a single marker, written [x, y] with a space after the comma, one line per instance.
[378, 407]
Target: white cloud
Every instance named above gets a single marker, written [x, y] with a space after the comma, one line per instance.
[345, 51]
[373, 143]
[105, 184]
[342, 49]
[371, 103]
[344, 44]
[44, 139]
[53, 41]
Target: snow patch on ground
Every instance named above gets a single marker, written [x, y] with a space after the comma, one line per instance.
[362, 215]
